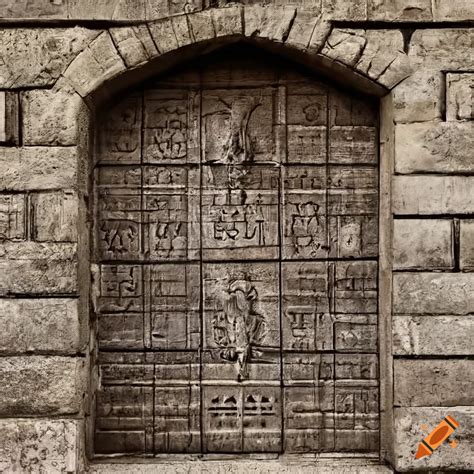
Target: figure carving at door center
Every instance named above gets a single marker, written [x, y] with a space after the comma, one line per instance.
[240, 326]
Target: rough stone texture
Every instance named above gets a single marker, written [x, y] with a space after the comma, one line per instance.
[163, 35]
[40, 446]
[134, 44]
[37, 268]
[257, 465]
[433, 335]
[467, 245]
[37, 57]
[13, 216]
[378, 54]
[38, 168]
[309, 32]
[95, 65]
[409, 431]
[442, 48]
[433, 293]
[444, 147]
[453, 10]
[54, 216]
[164, 8]
[460, 97]
[41, 385]
[53, 117]
[426, 195]
[34, 9]
[419, 98]
[40, 325]
[356, 10]
[270, 23]
[438, 382]
[400, 10]
[107, 9]
[423, 244]
[201, 26]
[228, 21]
[3, 117]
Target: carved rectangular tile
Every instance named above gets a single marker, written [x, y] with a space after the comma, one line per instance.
[174, 292]
[124, 420]
[171, 212]
[121, 288]
[121, 140]
[307, 369]
[171, 127]
[240, 212]
[353, 145]
[306, 322]
[12, 217]
[361, 367]
[241, 323]
[242, 418]
[307, 144]
[304, 212]
[121, 331]
[240, 125]
[356, 287]
[350, 110]
[177, 419]
[125, 368]
[119, 209]
[356, 418]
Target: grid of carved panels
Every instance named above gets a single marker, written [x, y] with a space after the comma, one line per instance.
[236, 223]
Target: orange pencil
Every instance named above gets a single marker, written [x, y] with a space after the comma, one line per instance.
[437, 437]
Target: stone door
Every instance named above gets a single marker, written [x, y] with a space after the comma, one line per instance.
[236, 234]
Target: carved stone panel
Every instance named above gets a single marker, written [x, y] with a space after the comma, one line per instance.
[236, 235]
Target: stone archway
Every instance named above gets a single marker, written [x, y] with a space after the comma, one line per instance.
[237, 212]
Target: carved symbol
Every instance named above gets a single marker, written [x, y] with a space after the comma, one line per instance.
[305, 227]
[240, 326]
[119, 235]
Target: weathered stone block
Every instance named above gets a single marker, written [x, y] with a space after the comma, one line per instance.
[419, 98]
[38, 168]
[54, 216]
[98, 63]
[443, 48]
[423, 244]
[309, 32]
[9, 118]
[433, 195]
[454, 10]
[460, 96]
[37, 268]
[433, 293]
[40, 446]
[164, 8]
[271, 23]
[163, 35]
[353, 10]
[431, 382]
[53, 117]
[107, 9]
[33, 9]
[345, 45]
[38, 56]
[201, 26]
[134, 44]
[41, 385]
[12, 216]
[433, 335]
[228, 21]
[409, 432]
[439, 147]
[378, 54]
[467, 245]
[400, 10]
[43, 324]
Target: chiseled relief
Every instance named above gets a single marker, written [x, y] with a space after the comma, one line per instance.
[236, 232]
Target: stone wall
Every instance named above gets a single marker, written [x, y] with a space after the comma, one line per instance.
[61, 60]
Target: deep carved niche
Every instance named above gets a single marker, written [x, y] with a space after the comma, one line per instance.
[236, 233]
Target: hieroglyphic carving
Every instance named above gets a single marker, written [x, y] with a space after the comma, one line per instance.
[238, 273]
[12, 217]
